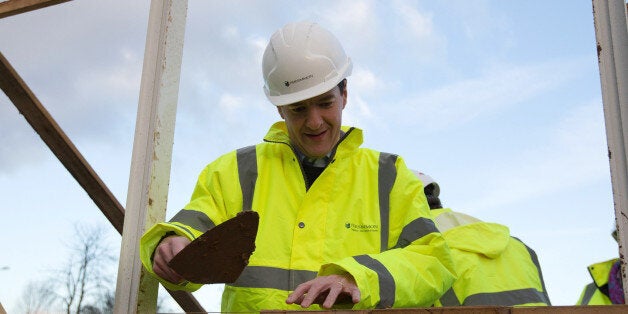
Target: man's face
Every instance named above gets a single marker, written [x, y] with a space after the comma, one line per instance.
[314, 124]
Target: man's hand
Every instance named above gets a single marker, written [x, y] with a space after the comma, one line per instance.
[165, 251]
[326, 291]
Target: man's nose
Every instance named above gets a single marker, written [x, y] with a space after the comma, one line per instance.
[314, 118]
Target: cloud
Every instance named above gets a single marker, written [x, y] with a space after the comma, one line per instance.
[416, 34]
[20, 143]
[362, 23]
[498, 88]
[355, 111]
[356, 24]
[417, 25]
[366, 81]
[479, 22]
[231, 106]
[362, 85]
[572, 155]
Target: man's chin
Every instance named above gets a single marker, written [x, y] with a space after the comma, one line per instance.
[317, 153]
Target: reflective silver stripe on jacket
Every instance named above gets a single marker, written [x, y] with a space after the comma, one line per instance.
[385, 278]
[506, 298]
[449, 298]
[387, 173]
[502, 298]
[273, 278]
[588, 294]
[247, 172]
[193, 218]
[535, 260]
[417, 229]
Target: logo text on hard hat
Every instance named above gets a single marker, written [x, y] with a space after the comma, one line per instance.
[287, 83]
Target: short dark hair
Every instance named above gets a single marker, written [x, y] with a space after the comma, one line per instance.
[342, 85]
[433, 201]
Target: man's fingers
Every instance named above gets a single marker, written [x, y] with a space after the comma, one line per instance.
[306, 294]
[161, 268]
[311, 295]
[296, 297]
[167, 273]
[355, 295]
[165, 251]
[325, 291]
[332, 296]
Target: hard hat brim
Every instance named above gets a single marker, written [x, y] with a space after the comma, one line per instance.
[287, 99]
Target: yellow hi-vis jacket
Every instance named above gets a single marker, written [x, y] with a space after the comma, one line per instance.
[596, 293]
[493, 268]
[365, 215]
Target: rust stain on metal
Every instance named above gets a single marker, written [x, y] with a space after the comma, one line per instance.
[599, 47]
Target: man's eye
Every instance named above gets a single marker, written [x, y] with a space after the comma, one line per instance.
[326, 104]
[298, 109]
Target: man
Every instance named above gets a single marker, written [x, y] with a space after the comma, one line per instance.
[338, 223]
[493, 267]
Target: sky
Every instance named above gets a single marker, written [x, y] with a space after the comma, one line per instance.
[499, 101]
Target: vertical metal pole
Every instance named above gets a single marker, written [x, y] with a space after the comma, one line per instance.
[611, 32]
[136, 291]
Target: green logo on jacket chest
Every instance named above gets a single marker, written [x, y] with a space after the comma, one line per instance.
[362, 227]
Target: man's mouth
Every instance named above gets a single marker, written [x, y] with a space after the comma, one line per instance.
[316, 136]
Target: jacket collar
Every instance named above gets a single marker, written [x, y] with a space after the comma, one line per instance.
[599, 271]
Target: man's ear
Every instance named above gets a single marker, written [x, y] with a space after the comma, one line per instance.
[280, 112]
[344, 97]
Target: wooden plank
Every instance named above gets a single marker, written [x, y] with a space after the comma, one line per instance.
[590, 309]
[187, 302]
[13, 7]
[136, 291]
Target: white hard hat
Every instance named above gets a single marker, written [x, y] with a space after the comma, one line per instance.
[427, 180]
[302, 60]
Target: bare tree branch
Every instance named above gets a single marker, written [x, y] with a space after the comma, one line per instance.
[37, 297]
[85, 271]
